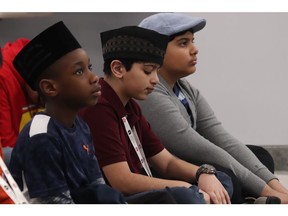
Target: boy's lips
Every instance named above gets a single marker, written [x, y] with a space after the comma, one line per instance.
[97, 91]
[150, 90]
[193, 61]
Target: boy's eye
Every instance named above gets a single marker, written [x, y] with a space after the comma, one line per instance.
[90, 67]
[79, 72]
[183, 43]
[147, 72]
[148, 69]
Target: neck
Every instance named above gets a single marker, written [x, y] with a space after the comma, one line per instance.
[63, 114]
[170, 80]
[116, 85]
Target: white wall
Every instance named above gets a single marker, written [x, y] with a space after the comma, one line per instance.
[242, 64]
[243, 73]
[85, 26]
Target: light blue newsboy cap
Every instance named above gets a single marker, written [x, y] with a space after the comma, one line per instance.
[172, 23]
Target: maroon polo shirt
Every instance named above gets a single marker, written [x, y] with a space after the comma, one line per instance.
[111, 141]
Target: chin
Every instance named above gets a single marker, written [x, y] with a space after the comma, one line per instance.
[92, 103]
[189, 72]
[142, 97]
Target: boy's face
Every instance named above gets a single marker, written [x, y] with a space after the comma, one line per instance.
[140, 80]
[77, 86]
[181, 56]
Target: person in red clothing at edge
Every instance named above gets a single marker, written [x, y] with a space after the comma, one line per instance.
[4, 198]
[18, 101]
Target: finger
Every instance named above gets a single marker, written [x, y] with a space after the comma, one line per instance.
[214, 198]
[224, 197]
[227, 197]
[221, 197]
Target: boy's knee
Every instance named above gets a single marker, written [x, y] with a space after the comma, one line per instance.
[185, 195]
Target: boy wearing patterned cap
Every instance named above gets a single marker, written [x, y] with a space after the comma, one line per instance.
[54, 154]
[126, 147]
[187, 125]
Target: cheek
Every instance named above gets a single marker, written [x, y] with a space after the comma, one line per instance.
[176, 59]
[73, 87]
[135, 84]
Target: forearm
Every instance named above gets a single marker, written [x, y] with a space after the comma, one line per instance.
[182, 170]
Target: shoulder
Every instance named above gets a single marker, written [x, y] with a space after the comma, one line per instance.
[39, 125]
[40, 129]
[37, 132]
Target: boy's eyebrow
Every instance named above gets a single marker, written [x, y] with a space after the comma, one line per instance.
[79, 62]
[184, 38]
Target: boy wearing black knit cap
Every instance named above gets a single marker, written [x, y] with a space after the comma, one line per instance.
[126, 147]
[54, 152]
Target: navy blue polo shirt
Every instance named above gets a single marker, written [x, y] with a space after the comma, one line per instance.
[54, 158]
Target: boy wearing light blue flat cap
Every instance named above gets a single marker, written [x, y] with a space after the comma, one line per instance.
[186, 124]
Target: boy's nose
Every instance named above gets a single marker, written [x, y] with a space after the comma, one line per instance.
[155, 79]
[194, 50]
[94, 78]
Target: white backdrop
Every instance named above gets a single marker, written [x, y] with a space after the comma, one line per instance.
[243, 73]
[242, 64]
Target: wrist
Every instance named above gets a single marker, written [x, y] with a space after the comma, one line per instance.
[205, 168]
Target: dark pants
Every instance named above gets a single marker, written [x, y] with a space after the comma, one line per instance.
[178, 195]
[264, 156]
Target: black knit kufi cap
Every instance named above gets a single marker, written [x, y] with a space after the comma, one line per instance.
[133, 42]
[43, 50]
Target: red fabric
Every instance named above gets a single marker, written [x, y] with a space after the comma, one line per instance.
[4, 199]
[12, 97]
[111, 141]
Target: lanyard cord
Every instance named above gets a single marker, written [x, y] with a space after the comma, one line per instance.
[12, 189]
[133, 136]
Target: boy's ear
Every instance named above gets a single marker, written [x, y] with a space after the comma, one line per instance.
[48, 87]
[117, 68]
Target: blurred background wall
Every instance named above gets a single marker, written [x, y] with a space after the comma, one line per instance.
[242, 63]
